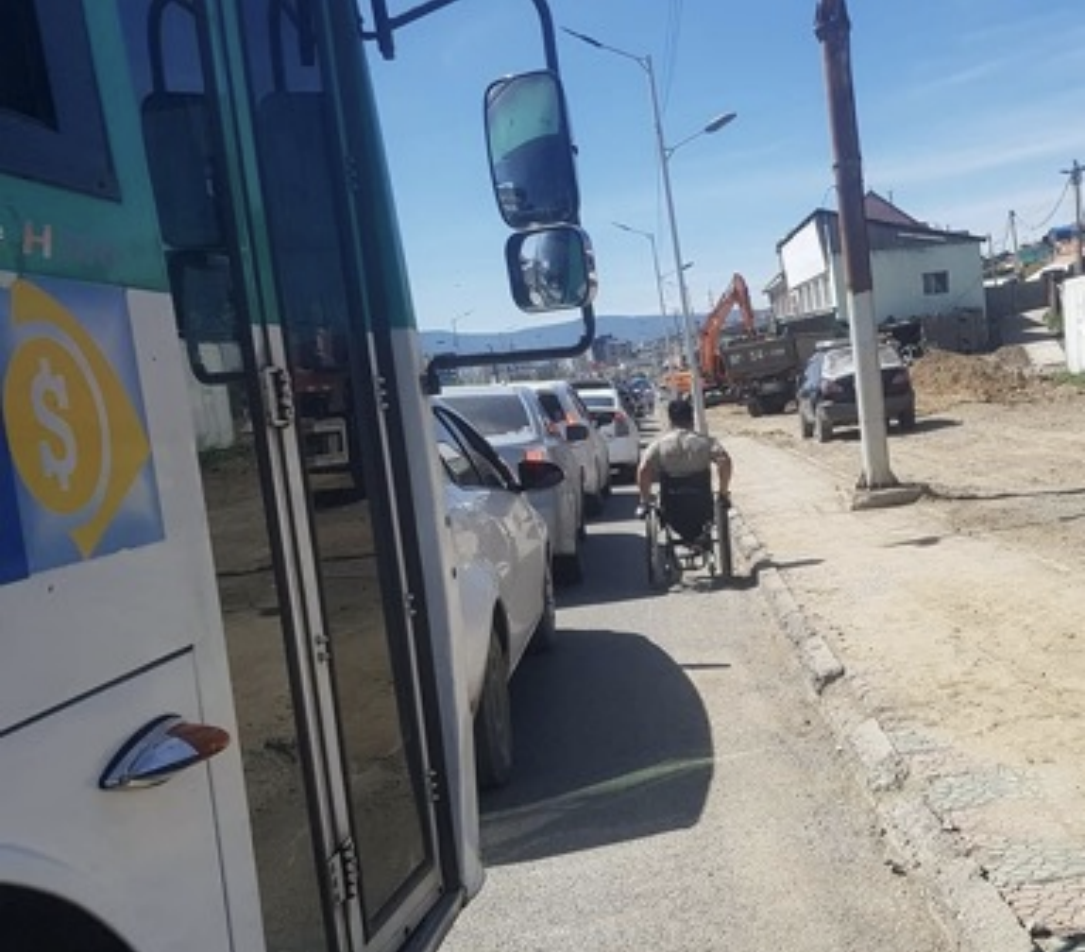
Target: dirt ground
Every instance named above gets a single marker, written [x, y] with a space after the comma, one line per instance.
[991, 654]
[999, 446]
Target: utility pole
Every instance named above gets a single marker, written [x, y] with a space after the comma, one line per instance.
[1014, 243]
[1076, 180]
[832, 28]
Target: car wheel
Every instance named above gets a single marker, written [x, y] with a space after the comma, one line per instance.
[907, 420]
[582, 511]
[823, 429]
[806, 427]
[598, 499]
[494, 720]
[608, 486]
[545, 631]
[569, 569]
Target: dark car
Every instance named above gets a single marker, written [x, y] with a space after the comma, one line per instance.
[826, 396]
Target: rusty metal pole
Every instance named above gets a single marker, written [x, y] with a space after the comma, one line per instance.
[832, 29]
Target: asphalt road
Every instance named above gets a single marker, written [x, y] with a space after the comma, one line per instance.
[675, 786]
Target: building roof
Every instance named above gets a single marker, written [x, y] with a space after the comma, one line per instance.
[879, 210]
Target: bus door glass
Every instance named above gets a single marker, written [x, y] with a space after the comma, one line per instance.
[352, 493]
[276, 737]
[298, 495]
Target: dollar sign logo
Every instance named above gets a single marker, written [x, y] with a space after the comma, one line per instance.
[47, 383]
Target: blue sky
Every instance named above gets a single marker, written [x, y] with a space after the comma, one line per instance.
[967, 110]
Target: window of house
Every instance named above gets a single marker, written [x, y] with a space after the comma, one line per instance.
[936, 282]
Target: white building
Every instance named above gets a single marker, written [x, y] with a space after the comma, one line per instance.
[917, 272]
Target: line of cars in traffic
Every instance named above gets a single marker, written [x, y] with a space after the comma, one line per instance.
[524, 466]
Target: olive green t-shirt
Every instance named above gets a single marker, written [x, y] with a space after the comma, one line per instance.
[682, 453]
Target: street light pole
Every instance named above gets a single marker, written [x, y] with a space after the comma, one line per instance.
[664, 156]
[455, 324]
[656, 272]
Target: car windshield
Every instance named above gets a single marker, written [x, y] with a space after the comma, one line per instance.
[492, 414]
[599, 400]
[839, 362]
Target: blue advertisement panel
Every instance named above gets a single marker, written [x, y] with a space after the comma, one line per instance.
[77, 477]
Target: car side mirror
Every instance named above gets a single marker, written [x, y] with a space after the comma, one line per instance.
[539, 474]
[576, 432]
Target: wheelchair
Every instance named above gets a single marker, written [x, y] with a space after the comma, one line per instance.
[687, 528]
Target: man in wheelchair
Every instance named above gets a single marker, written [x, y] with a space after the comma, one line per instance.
[687, 526]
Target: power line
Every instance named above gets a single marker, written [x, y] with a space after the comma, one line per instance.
[1051, 214]
[671, 44]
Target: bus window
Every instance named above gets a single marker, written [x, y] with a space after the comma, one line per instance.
[50, 115]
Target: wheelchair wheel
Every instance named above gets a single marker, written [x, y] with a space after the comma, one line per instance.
[654, 551]
[723, 540]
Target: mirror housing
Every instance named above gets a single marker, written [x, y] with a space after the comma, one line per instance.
[202, 287]
[530, 151]
[576, 432]
[550, 269]
[549, 259]
[536, 474]
[181, 162]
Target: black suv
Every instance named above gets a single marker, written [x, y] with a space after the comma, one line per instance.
[826, 396]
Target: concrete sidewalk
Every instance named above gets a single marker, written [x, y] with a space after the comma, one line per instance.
[903, 678]
[1043, 348]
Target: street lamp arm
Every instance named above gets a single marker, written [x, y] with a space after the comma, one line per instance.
[710, 127]
[642, 61]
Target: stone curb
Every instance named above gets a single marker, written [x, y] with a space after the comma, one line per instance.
[970, 909]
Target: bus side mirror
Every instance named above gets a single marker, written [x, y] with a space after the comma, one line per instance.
[550, 269]
[181, 161]
[530, 151]
[202, 288]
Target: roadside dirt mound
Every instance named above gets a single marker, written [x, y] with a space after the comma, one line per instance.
[943, 378]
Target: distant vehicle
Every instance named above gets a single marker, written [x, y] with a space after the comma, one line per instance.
[627, 397]
[503, 571]
[644, 393]
[512, 420]
[826, 396]
[616, 424]
[563, 406]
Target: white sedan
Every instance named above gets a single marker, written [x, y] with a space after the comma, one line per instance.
[503, 570]
[511, 418]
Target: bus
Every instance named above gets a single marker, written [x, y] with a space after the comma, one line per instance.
[233, 712]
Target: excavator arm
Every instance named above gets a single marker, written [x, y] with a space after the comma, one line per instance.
[737, 295]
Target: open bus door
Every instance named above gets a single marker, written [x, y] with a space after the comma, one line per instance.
[326, 768]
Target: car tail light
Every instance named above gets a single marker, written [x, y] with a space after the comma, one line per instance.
[831, 388]
[535, 456]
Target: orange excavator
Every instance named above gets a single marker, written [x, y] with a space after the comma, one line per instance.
[755, 369]
[713, 371]
[713, 368]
